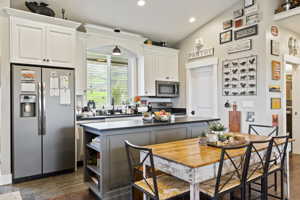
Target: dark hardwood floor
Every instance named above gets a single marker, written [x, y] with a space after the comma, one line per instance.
[71, 186]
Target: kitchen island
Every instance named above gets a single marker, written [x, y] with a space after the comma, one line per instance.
[109, 179]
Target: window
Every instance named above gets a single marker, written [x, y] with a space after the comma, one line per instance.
[107, 78]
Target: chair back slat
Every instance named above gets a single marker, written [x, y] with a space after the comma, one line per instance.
[263, 130]
[135, 166]
[260, 159]
[240, 166]
[279, 150]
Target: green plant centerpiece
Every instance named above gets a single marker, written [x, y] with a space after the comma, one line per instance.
[217, 128]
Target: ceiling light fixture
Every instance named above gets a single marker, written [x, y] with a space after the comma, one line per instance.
[116, 51]
[192, 19]
[141, 3]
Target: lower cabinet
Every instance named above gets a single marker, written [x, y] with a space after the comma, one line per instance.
[169, 134]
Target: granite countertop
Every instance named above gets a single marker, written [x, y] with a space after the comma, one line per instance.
[130, 124]
[102, 117]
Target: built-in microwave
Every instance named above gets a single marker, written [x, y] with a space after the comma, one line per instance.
[167, 89]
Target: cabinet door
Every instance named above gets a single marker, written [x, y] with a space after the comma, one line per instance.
[60, 46]
[150, 74]
[168, 67]
[27, 41]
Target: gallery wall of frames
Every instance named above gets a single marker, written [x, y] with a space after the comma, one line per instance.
[240, 76]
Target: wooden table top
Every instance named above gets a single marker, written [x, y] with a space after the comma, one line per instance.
[190, 153]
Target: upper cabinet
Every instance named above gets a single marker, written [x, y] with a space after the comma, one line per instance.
[160, 64]
[41, 40]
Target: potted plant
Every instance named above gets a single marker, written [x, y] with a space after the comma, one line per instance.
[203, 138]
[217, 128]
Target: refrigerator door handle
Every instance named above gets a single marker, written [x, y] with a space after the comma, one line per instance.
[40, 131]
[44, 108]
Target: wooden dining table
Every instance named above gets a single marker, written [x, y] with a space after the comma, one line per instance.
[194, 163]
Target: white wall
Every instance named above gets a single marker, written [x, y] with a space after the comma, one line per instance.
[261, 47]
[4, 100]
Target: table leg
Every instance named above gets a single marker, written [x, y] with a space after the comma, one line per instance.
[287, 177]
[194, 192]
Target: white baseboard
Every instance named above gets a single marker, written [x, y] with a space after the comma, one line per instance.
[5, 179]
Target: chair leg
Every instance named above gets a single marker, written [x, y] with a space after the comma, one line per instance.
[282, 184]
[243, 192]
[249, 191]
[264, 188]
[275, 182]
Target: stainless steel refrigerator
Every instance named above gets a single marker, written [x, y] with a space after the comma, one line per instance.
[43, 121]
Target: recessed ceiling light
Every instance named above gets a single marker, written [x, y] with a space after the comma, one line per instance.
[192, 19]
[141, 3]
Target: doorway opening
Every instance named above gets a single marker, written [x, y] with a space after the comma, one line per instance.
[291, 108]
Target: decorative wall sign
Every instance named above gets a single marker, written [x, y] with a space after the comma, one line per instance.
[274, 88]
[274, 31]
[275, 120]
[246, 32]
[227, 24]
[238, 23]
[251, 9]
[201, 53]
[275, 103]
[276, 70]
[226, 37]
[250, 117]
[244, 45]
[275, 48]
[239, 77]
[248, 3]
[252, 19]
[238, 13]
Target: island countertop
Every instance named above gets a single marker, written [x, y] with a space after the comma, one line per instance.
[139, 123]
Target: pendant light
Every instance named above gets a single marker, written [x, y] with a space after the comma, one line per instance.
[116, 51]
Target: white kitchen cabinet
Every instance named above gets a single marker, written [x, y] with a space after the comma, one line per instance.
[60, 46]
[161, 64]
[42, 43]
[27, 41]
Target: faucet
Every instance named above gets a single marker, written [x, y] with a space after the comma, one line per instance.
[113, 105]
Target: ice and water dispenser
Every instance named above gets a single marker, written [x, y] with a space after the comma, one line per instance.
[28, 105]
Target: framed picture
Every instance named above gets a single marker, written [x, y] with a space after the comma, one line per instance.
[246, 32]
[276, 70]
[274, 88]
[275, 48]
[275, 120]
[248, 3]
[238, 13]
[240, 46]
[252, 19]
[251, 9]
[275, 103]
[238, 23]
[225, 37]
[274, 31]
[227, 24]
[250, 117]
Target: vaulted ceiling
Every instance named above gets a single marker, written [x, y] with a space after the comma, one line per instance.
[165, 20]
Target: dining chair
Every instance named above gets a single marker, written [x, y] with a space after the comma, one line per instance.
[263, 130]
[276, 164]
[231, 175]
[156, 187]
[259, 165]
